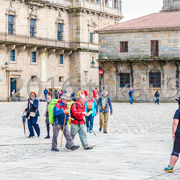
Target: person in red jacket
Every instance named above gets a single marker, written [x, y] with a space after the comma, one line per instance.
[95, 94]
[78, 123]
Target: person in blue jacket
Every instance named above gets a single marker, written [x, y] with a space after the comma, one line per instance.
[131, 92]
[45, 94]
[32, 115]
[60, 110]
[104, 104]
[157, 95]
[90, 108]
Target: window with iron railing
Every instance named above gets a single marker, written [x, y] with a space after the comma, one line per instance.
[32, 27]
[60, 31]
[124, 80]
[10, 24]
[155, 79]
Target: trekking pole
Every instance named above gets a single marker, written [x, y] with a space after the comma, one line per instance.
[63, 130]
[24, 121]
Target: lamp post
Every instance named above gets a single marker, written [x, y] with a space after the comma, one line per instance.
[6, 68]
[101, 73]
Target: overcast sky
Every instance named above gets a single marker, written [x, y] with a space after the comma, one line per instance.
[136, 8]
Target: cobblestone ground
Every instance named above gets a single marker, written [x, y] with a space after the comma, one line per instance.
[137, 146]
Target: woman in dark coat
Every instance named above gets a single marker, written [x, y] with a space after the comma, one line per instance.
[32, 115]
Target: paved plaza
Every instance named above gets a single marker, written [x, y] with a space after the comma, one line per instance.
[137, 146]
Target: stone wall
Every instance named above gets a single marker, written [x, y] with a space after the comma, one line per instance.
[139, 44]
[140, 74]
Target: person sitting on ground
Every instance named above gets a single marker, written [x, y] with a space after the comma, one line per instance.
[104, 104]
[78, 123]
[60, 110]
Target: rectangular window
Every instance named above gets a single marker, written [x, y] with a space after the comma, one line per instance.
[34, 57]
[154, 48]
[91, 37]
[10, 24]
[124, 80]
[32, 27]
[123, 46]
[60, 31]
[61, 59]
[155, 79]
[12, 55]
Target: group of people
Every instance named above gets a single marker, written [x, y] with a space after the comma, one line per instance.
[78, 111]
[131, 96]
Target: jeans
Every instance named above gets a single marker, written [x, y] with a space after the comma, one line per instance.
[131, 99]
[32, 122]
[157, 100]
[89, 122]
[80, 129]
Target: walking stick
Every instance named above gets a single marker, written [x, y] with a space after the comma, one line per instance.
[63, 130]
[24, 121]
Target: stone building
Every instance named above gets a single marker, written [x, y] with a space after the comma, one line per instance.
[44, 43]
[144, 54]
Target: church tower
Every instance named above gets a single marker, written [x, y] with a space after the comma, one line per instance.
[171, 5]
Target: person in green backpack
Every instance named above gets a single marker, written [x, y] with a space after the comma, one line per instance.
[49, 99]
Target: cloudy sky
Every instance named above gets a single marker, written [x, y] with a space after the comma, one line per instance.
[137, 8]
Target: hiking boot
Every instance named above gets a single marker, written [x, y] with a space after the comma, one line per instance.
[105, 132]
[100, 129]
[169, 169]
[74, 148]
[88, 148]
[55, 149]
[47, 137]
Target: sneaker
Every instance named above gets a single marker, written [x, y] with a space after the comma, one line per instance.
[100, 129]
[105, 132]
[74, 148]
[47, 137]
[87, 129]
[55, 149]
[67, 147]
[30, 136]
[88, 148]
[169, 169]
[90, 131]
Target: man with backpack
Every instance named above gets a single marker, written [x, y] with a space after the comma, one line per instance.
[60, 112]
[78, 123]
[104, 104]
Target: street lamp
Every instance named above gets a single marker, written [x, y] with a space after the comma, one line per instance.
[92, 64]
[6, 66]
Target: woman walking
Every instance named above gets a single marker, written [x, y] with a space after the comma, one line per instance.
[32, 115]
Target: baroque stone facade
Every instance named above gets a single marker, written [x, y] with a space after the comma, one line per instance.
[44, 43]
[141, 55]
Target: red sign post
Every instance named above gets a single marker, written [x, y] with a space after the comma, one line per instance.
[101, 72]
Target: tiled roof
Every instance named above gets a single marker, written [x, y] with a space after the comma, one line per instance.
[160, 20]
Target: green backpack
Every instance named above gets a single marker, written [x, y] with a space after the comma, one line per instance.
[51, 109]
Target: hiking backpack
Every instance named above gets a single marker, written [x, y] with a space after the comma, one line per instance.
[51, 110]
